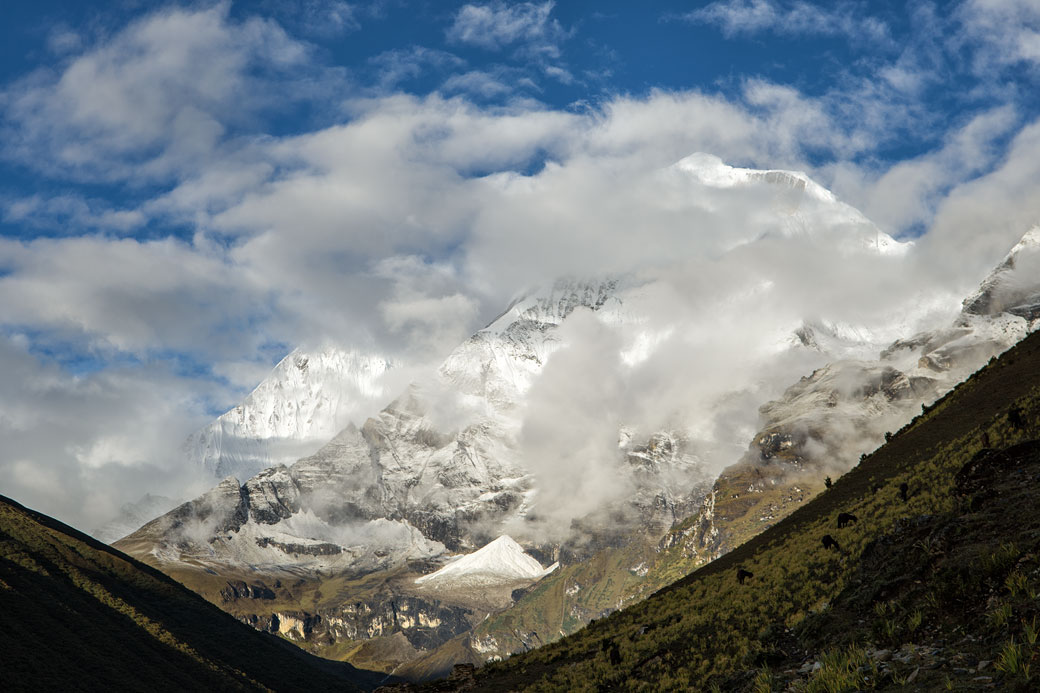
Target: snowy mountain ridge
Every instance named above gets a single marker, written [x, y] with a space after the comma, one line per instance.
[802, 202]
[308, 397]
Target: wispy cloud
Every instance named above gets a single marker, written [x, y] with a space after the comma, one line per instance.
[1005, 32]
[499, 25]
[327, 17]
[69, 214]
[400, 65]
[737, 17]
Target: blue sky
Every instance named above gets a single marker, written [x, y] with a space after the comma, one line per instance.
[188, 190]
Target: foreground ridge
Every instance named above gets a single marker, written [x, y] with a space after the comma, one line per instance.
[80, 615]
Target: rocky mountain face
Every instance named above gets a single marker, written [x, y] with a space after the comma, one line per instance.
[828, 420]
[932, 588]
[326, 550]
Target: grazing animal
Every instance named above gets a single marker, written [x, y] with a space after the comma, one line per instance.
[845, 519]
[904, 489]
[830, 543]
[1015, 419]
[827, 482]
[615, 656]
[743, 575]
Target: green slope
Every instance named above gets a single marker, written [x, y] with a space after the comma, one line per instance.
[76, 614]
[950, 576]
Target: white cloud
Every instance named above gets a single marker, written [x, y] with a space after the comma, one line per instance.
[395, 66]
[69, 214]
[327, 17]
[63, 40]
[499, 25]
[156, 98]
[412, 220]
[77, 447]
[487, 84]
[1005, 32]
[128, 296]
[737, 17]
[982, 217]
[905, 194]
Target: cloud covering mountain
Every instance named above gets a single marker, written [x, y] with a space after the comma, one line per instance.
[188, 193]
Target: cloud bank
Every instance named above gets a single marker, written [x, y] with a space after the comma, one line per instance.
[400, 222]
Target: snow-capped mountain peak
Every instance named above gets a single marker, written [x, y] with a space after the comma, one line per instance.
[498, 562]
[806, 207]
[711, 170]
[305, 400]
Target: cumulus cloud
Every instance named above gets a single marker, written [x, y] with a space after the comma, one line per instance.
[906, 194]
[154, 99]
[126, 296]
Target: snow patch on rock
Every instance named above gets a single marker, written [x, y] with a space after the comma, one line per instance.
[500, 562]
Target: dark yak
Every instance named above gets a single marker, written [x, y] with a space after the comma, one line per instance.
[743, 575]
[830, 543]
[845, 519]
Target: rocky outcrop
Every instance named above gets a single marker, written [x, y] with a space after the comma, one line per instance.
[424, 623]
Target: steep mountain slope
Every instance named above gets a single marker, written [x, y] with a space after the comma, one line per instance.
[80, 615]
[402, 467]
[305, 400]
[932, 582]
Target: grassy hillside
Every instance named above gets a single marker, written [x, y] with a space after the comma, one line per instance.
[79, 615]
[935, 592]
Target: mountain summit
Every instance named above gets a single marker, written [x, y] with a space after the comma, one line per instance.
[308, 398]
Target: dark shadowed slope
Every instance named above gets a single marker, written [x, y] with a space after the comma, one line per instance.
[934, 586]
[76, 614]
